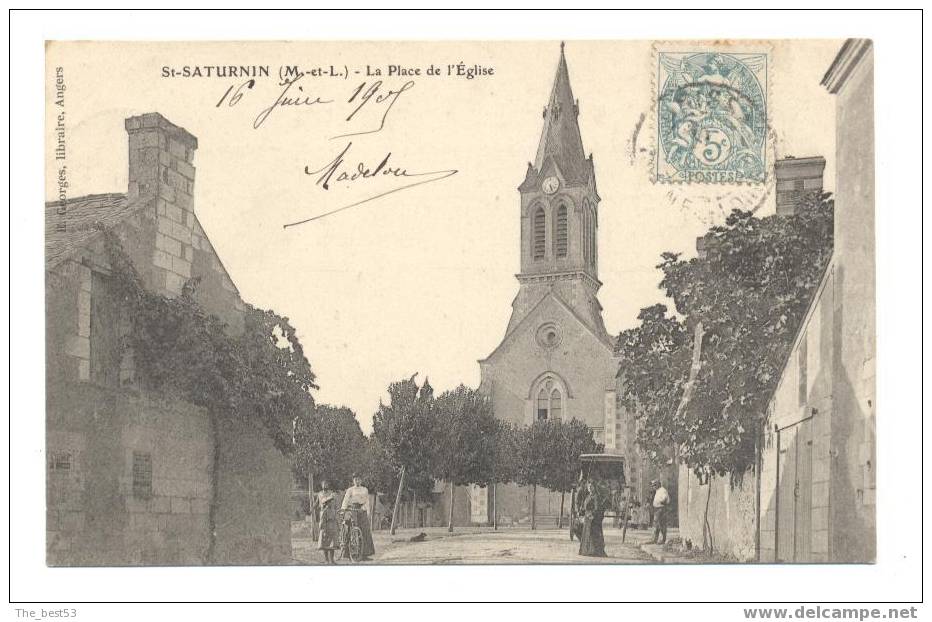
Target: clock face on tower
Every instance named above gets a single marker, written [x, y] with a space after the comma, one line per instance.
[550, 185]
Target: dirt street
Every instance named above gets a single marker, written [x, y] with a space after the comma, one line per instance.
[468, 545]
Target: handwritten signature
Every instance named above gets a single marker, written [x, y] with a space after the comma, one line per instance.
[337, 171]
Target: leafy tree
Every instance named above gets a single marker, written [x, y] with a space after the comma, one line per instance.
[504, 460]
[569, 440]
[744, 301]
[465, 440]
[655, 361]
[380, 474]
[536, 446]
[329, 444]
[404, 429]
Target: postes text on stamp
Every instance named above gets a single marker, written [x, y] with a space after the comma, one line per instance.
[711, 117]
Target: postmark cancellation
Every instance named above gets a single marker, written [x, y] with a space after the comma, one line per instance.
[711, 116]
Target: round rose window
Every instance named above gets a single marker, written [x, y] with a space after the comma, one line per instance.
[549, 335]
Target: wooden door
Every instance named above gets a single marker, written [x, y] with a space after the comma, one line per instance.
[786, 495]
[803, 514]
[794, 493]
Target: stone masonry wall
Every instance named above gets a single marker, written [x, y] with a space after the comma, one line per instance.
[731, 517]
[252, 520]
[853, 503]
[93, 515]
[797, 456]
[94, 426]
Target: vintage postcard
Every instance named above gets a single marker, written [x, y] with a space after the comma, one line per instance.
[484, 302]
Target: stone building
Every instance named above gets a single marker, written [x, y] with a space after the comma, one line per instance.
[129, 477]
[556, 359]
[819, 459]
[812, 498]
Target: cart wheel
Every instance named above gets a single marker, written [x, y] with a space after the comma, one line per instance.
[355, 544]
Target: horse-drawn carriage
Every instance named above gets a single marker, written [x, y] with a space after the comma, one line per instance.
[607, 474]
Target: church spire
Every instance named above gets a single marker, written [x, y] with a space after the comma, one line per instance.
[561, 140]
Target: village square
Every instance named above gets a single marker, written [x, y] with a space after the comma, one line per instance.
[734, 423]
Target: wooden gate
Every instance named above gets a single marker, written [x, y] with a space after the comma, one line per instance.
[794, 492]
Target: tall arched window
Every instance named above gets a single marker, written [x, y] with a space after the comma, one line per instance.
[556, 405]
[540, 234]
[584, 232]
[543, 405]
[560, 237]
[549, 401]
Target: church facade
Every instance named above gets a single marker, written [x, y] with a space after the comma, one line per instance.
[556, 360]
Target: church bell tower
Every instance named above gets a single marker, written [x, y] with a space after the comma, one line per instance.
[560, 213]
[556, 360]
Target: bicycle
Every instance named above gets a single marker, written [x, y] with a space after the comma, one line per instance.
[350, 535]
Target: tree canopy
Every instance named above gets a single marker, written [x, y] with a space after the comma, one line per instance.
[330, 444]
[568, 440]
[750, 293]
[466, 437]
[404, 432]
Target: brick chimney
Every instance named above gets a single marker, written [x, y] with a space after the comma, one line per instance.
[160, 166]
[795, 178]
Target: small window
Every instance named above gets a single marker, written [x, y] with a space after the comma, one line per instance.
[142, 475]
[540, 234]
[60, 462]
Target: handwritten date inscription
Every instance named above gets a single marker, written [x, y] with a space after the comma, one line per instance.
[291, 94]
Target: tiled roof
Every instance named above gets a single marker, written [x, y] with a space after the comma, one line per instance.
[70, 229]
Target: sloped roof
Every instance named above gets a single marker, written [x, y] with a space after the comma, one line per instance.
[604, 338]
[561, 142]
[70, 225]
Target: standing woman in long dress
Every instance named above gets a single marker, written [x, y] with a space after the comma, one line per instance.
[592, 541]
[357, 496]
[329, 523]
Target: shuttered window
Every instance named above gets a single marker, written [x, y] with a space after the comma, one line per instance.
[59, 461]
[561, 238]
[142, 475]
[540, 234]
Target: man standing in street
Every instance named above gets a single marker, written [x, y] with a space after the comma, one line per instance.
[661, 504]
[649, 502]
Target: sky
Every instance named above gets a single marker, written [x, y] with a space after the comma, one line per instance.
[420, 279]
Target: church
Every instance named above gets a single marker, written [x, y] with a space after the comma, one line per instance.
[556, 360]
